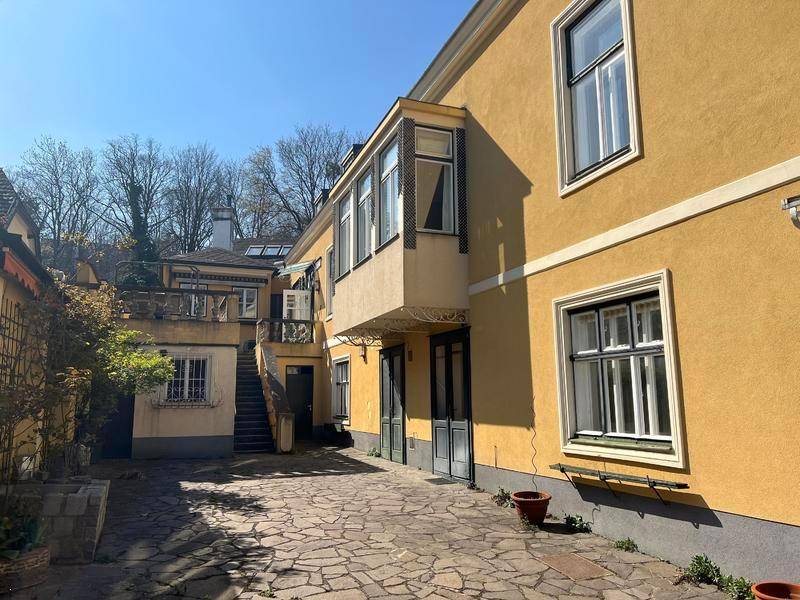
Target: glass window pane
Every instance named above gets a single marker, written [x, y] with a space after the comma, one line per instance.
[386, 391]
[619, 393]
[595, 33]
[397, 382]
[440, 381]
[616, 131]
[585, 123]
[615, 327]
[434, 143]
[395, 208]
[655, 398]
[254, 250]
[588, 414]
[365, 185]
[435, 196]
[584, 332]
[386, 209]
[344, 208]
[362, 243]
[388, 158]
[272, 251]
[648, 322]
[459, 402]
[344, 246]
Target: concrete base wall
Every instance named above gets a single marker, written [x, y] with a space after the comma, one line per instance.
[365, 441]
[208, 446]
[741, 545]
[419, 454]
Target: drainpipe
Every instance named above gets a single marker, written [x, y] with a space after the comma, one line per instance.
[792, 204]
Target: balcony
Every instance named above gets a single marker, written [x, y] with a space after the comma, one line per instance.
[285, 331]
[412, 169]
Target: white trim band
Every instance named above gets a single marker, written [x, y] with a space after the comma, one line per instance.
[736, 191]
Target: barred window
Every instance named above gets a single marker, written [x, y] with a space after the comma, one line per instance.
[190, 381]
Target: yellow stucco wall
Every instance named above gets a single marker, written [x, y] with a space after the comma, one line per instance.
[152, 421]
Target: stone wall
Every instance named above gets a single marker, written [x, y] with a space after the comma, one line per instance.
[73, 513]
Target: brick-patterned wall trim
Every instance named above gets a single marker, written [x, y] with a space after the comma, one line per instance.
[461, 190]
[408, 181]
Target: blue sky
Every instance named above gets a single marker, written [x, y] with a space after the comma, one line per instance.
[233, 73]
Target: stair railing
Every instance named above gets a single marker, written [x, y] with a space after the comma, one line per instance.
[279, 414]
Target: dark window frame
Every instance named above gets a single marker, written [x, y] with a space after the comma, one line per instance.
[441, 160]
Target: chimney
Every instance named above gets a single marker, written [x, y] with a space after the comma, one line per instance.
[222, 219]
[350, 155]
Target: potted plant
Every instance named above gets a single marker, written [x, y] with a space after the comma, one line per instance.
[23, 556]
[531, 506]
[776, 590]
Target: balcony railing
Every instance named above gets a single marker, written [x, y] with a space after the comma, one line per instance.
[287, 331]
[178, 305]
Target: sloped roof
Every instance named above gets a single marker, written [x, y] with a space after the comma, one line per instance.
[8, 195]
[218, 256]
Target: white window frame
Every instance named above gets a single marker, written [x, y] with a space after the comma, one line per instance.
[164, 402]
[365, 199]
[198, 300]
[243, 291]
[659, 282]
[567, 181]
[340, 249]
[339, 418]
[330, 269]
[395, 215]
[439, 159]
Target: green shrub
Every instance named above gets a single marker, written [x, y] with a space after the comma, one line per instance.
[628, 545]
[703, 570]
[503, 498]
[20, 532]
[373, 452]
[576, 524]
[738, 588]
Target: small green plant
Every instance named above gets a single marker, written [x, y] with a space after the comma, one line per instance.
[702, 569]
[628, 545]
[20, 531]
[503, 498]
[576, 524]
[526, 524]
[373, 452]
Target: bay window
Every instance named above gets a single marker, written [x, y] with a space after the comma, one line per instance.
[363, 229]
[434, 193]
[341, 389]
[594, 88]
[617, 382]
[389, 211]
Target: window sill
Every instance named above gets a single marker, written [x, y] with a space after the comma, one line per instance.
[341, 420]
[342, 276]
[387, 242]
[362, 261]
[435, 232]
[602, 169]
[640, 451]
[329, 317]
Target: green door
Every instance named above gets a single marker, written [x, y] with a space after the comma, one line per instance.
[392, 405]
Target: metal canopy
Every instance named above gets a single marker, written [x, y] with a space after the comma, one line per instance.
[294, 268]
[415, 319]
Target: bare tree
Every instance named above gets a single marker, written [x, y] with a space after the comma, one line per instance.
[135, 175]
[232, 187]
[195, 187]
[62, 185]
[261, 208]
[299, 169]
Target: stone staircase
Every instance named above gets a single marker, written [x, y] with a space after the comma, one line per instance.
[251, 431]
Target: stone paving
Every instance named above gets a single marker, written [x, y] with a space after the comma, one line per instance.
[331, 524]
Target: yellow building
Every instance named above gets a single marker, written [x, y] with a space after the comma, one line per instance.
[565, 253]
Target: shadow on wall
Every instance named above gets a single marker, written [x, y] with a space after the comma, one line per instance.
[502, 380]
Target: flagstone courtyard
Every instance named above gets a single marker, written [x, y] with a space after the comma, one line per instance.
[331, 523]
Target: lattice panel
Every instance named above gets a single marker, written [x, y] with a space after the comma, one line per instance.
[461, 190]
[408, 180]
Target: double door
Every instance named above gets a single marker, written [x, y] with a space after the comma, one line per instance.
[393, 404]
[451, 408]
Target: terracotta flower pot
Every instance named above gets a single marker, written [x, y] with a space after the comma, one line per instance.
[531, 505]
[776, 590]
[28, 570]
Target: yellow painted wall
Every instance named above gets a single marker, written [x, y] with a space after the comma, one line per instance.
[151, 421]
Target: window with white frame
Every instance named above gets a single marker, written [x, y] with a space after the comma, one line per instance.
[248, 302]
[363, 229]
[594, 83]
[190, 381]
[343, 235]
[434, 165]
[331, 268]
[197, 307]
[389, 213]
[341, 389]
[617, 387]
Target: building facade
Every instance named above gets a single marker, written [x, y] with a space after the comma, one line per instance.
[565, 255]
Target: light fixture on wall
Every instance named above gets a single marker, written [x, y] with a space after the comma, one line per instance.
[792, 204]
[362, 352]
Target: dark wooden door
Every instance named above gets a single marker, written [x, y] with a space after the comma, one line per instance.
[451, 418]
[117, 432]
[393, 425]
[300, 395]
